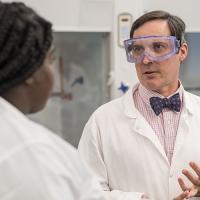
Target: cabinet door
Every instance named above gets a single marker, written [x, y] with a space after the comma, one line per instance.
[81, 72]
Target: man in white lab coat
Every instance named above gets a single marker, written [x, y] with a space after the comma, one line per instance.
[35, 164]
[140, 145]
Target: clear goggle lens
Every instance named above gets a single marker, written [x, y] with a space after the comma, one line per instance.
[156, 48]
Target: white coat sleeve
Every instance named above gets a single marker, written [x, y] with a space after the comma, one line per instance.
[46, 173]
[90, 150]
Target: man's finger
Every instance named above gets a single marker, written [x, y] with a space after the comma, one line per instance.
[195, 167]
[194, 179]
[182, 184]
[182, 196]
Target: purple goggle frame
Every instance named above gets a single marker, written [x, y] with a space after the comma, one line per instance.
[174, 48]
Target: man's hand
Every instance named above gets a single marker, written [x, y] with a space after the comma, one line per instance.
[194, 190]
[182, 196]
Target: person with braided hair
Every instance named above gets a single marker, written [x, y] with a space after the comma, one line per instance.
[35, 164]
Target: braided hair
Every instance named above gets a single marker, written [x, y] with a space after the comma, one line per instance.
[25, 38]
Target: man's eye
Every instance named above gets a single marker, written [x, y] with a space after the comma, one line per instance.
[137, 49]
[159, 47]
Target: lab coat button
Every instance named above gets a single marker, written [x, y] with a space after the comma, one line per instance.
[171, 174]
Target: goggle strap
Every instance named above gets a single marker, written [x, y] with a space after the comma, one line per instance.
[177, 45]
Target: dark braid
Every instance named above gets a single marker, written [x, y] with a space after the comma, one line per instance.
[25, 38]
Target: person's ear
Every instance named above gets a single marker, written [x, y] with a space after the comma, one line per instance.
[29, 81]
[183, 51]
[33, 78]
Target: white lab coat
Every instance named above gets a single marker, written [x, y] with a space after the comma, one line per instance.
[37, 165]
[122, 149]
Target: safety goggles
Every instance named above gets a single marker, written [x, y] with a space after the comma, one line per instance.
[156, 48]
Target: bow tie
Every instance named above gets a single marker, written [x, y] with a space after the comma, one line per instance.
[173, 103]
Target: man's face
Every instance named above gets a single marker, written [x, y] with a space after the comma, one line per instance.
[159, 76]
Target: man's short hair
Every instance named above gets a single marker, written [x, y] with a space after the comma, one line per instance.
[176, 24]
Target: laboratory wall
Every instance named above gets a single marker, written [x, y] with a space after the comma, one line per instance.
[190, 68]
[91, 66]
[122, 73]
[75, 14]
[187, 10]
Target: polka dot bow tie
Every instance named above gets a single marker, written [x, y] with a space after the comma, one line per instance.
[173, 103]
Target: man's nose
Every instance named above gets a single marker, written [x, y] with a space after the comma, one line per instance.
[146, 59]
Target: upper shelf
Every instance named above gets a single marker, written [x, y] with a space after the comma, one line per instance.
[81, 29]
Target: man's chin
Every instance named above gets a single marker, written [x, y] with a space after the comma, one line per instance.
[152, 85]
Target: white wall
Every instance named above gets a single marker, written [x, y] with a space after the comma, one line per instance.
[75, 14]
[102, 16]
[122, 70]
[187, 10]
[94, 16]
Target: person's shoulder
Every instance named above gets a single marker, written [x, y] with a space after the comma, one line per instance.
[192, 102]
[43, 135]
[115, 108]
[192, 97]
[50, 159]
[19, 132]
[113, 105]
[50, 149]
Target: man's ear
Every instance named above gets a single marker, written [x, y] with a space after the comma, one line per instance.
[183, 51]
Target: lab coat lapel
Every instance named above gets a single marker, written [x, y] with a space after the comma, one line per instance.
[182, 134]
[184, 127]
[139, 124]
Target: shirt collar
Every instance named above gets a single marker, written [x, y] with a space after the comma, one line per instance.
[147, 94]
[131, 111]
